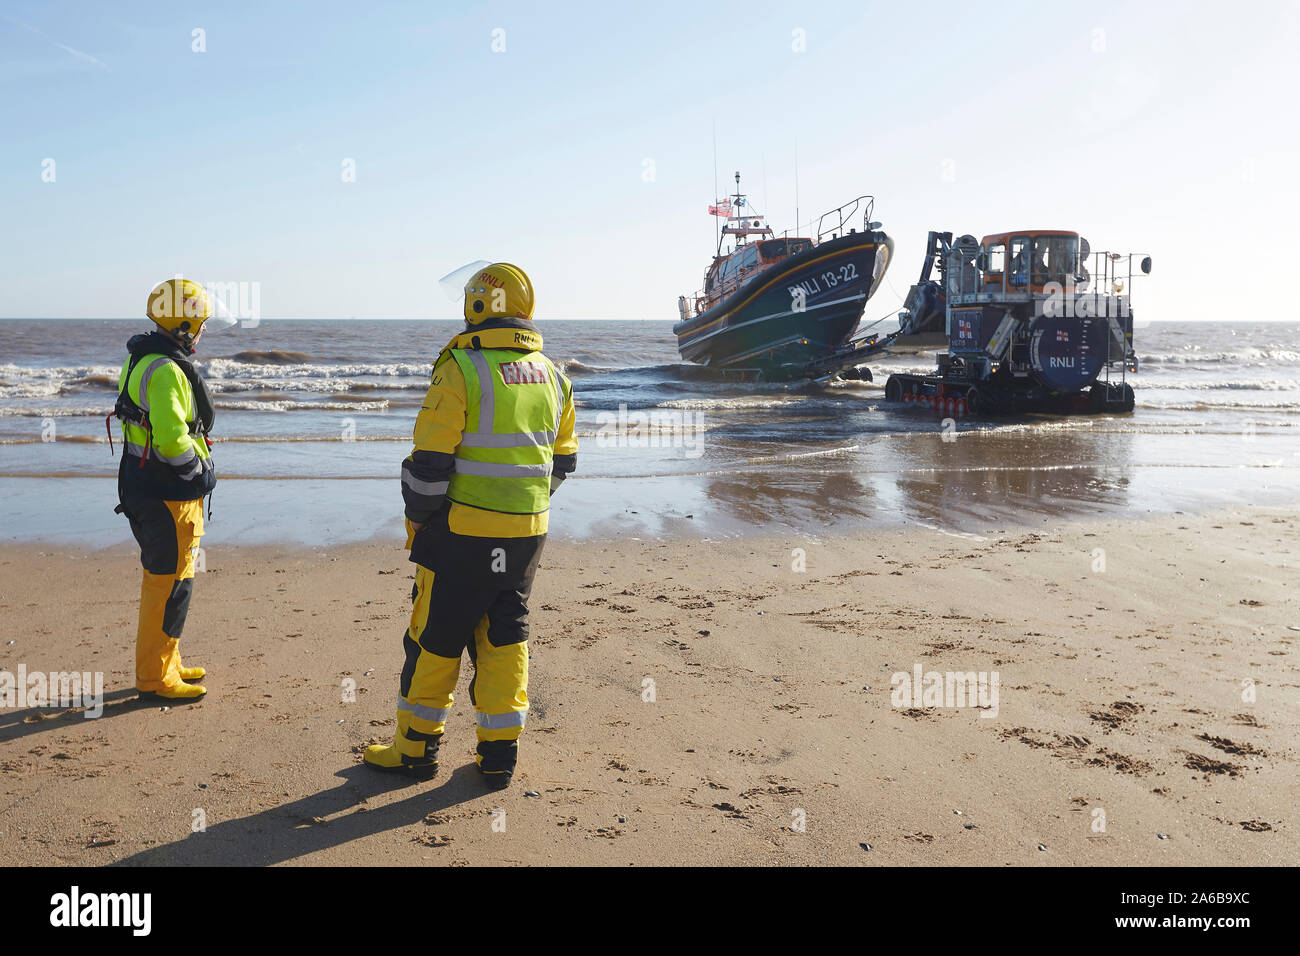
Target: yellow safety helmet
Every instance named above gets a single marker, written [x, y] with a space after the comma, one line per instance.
[180, 306]
[498, 291]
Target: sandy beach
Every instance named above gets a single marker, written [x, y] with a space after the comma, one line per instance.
[694, 701]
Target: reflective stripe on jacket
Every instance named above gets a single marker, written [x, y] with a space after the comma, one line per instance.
[512, 417]
[163, 393]
[450, 440]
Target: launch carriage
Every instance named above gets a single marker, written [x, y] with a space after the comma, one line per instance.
[1029, 325]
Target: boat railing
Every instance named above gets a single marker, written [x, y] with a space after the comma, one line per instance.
[832, 223]
[1112, 272]
[693, 304]
[966, 276]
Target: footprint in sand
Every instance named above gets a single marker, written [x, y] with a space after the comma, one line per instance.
[1208, 765]
[1228, 746]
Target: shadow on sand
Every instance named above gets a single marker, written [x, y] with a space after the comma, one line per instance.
[296, 829]
[36, 720]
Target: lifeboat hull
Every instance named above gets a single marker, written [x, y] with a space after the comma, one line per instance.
[793, 314]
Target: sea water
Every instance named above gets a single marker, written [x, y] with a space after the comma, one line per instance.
[314, 418]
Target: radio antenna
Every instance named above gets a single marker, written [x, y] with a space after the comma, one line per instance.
[796, 184]
[717, 239]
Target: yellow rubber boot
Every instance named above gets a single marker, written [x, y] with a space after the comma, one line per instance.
[192, 673]
[411, 752]
[179, 692]
[157, 655]
[164, 605]
[424, 700]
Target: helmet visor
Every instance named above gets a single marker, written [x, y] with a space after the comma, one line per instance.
[453, 283]
[221, 317]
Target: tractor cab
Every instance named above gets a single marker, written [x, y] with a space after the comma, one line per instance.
[1031, 260]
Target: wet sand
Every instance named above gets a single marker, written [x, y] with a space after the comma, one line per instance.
[1123, 731]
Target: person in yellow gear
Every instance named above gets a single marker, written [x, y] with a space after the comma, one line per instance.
[494, 440]
[166, 470]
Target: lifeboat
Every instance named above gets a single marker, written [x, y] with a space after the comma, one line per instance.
[785, 307]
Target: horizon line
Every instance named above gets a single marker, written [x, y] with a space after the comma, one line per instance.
[372, 318]
[307, 318]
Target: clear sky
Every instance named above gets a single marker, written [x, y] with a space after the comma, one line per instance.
[581, 147]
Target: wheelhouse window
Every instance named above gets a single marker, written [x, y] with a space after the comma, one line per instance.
[995, 260]
[1055, 259]
[1020, 260]
[773, 249]
[740, 265]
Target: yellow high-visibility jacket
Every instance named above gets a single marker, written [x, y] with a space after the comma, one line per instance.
[441, 425]
[176, 462]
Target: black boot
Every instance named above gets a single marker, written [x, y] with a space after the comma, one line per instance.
[496, 761]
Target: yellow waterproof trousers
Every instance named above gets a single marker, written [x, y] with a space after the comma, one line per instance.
[168, 533]
[499, 689]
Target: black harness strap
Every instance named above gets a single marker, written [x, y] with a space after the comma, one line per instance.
[128, 411]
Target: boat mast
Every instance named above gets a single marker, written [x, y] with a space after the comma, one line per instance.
[735, 211]
[717, 235]
[738, 222]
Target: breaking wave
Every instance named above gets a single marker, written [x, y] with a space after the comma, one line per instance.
[1194, 355]
[271, 357]
[1258, 385]
[31, 390]
[222, 368]
[691, 404]
[284, 405]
